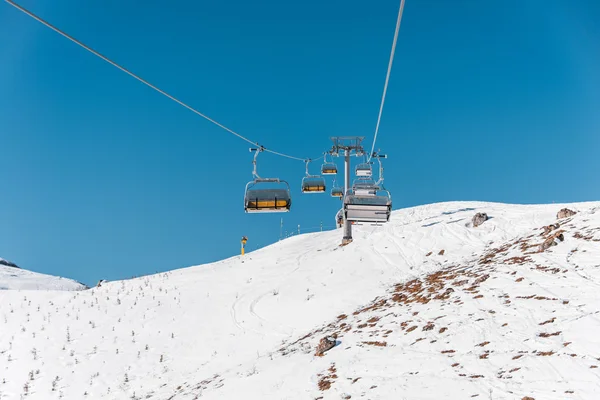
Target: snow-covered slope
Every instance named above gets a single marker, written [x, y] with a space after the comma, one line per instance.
[14, 278]
[488, 316]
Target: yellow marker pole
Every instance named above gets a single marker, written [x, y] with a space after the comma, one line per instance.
[244, 240]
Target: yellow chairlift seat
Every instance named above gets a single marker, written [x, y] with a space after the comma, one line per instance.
[313, 185]
[267, 200]
[337, 192]
[329, 169]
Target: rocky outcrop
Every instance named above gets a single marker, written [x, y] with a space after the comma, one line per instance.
[479, 219]
[565, 213]
[325, 344]
[552, 241]
[7, 263]
[550, 228]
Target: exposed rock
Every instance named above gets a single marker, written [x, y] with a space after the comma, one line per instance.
[550, 228]
[100, 282]
[8, 263]
[551, 241]
[479, 219]
[441, 253]
[325, 344]
[565, 213]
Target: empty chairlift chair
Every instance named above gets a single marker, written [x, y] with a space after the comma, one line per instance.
[361, 205]
[267, 199]
[328, 168]
[312, 183]
[363, 170]
[265, 195]
[337, 191]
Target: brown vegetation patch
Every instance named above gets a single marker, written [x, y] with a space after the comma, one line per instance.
[442, 330]
[517, 357]
[547, 269]
[483, 344]
[379, 344]
[546, 334]
[476, 376]
[545, 353]
[412, 328]
[429, 326]
[514, 370]
[518, 260]
[551, 320]
[448, 351]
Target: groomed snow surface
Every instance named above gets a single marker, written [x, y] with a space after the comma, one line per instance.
[15, 278]
[425, 307]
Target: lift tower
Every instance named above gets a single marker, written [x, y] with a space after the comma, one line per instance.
[347, 145]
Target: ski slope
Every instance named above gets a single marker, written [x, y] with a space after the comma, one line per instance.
[15, 278]
[487, 317]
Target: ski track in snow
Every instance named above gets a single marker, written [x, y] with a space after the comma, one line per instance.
[247, 327]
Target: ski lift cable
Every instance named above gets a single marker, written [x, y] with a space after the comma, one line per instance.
[145, 82]
[387, 77]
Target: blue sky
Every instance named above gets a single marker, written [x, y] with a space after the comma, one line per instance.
[103, 178]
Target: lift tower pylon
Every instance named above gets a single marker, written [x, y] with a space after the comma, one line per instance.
[348, 146]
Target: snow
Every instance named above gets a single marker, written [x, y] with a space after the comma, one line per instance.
[15, 278]
[515, 323]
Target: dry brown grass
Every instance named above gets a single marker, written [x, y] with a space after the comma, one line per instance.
[545, 353]
[546, 334]
[429, 326]
[550, 321]
[379, 344]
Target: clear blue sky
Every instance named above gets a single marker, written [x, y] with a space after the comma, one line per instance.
[104, 178]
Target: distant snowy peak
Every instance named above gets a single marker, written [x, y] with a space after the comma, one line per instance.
[13, 277]
[7, 263]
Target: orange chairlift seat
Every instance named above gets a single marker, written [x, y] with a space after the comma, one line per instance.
[312, 183]
[264, 195]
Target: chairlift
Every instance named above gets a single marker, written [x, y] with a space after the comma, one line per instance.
[368, 201]
[312, 183]
[337, 191]
[328, 168]
[339, 218]
[365, 187]
[266, 195]
[368, 208]
[363, 170]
